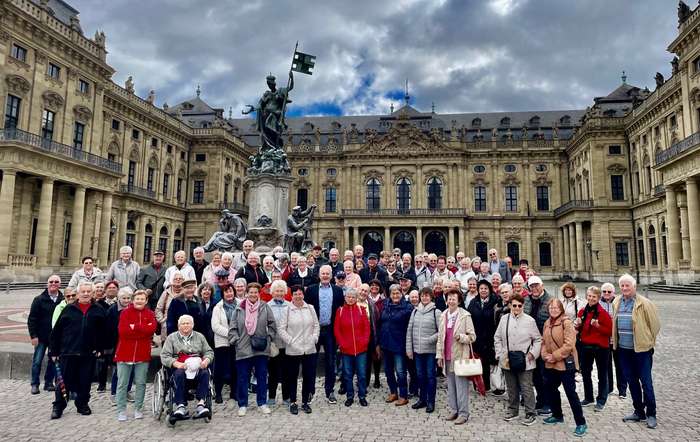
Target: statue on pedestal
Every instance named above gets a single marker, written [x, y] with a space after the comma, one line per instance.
[232, 232]
[299, 228]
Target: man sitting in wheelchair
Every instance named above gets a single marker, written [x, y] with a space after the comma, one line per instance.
[188, 354]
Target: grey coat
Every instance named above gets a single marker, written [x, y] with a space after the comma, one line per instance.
[175, 344]
[422, 332]
[150, 278]
[238, 336]
[124, 274]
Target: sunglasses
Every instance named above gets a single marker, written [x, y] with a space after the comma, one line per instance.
[516, 306]
[54, 282]
[70, 296]
[607, 291]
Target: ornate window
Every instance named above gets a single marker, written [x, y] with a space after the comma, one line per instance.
[330, 199]
[403, 194]
[509, 168]
[622, 255]
[476, 122]
[545, 249]
[303, 171]
[177, 242]
[12, 111]
[479, 168]
[149, 178]
[505, 121]
[653, 257]
[482, 250]
[198, 192]
[148, 243]
[434, 193]
[511, 193]
[480, 199]
[513, 250]
[535, 121]
[163, 240]
[166, 185]
[565, 120]
[373, 199]
[78, 135]
[617, 188]
[131, 175]
[331, 171]
[640, 247]
[541, 168]
[83, 86]
[19, 53]
[542, 198]
[47, 120]
[53, 71]
[131, 234]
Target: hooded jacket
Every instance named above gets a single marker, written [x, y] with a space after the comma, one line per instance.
[393, 324]
[423, 327]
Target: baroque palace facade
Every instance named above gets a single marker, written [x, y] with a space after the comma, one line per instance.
[87, 166]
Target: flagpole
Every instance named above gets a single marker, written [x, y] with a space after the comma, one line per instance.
[286, 91]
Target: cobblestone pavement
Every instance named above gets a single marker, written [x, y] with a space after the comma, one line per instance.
[677, 384]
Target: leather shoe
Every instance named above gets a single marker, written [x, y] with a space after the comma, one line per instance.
[56, 412]
[429, 408]
[49, 387]
[348, 402]
[451, 417]
[84, 410]
[391, 398]
[363, 402]
[35, 389]
[401, 402]
[418, 405]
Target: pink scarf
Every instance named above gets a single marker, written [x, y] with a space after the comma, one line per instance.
[251, 316]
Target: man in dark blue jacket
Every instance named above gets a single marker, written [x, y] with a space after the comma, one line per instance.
[39, 325]
[326, 298]
[373, 271]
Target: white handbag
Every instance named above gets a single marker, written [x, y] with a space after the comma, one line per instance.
[468, 367]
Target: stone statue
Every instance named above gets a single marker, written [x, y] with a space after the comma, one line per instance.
[129, 84]
[684, 12]
[232, 232]
[151, 97]
[674, 66]
[298, 228]
[100, 38]
[659, 77]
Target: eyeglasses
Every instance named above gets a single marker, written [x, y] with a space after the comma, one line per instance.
[607, 291]
[54, 282]
[70, 296]
[516, 306]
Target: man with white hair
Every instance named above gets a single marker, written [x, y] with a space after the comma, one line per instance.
[406, 269]
[241, 259]
[635, 327]
[251, 271]
[39, 325]
[181, 265]
[198, 263]
[125, 270]
[537, 306]
[499, 266]
[606, 301]
[187, 352]
[334, 261]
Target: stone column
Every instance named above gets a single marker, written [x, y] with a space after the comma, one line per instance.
[691, 188]
[685, 234]
[44, 222]
[674, 230]
[566, 257]
[138, 242]
[76, 236]
[462, 242]
[419, 240]
[7, 197]
[387, 239]
[572, 248]
[121, 239]
[105, 225]
[580, 260]
[356, 236]
[451, 241]
[346, 240]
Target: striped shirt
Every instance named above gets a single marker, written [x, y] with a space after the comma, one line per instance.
[625, 332]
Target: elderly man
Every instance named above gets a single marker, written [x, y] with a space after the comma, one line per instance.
[537, 306]
[198, 263]
[635, 328]
[185, 304]
[88, 272]
[181, 265]
[152, 278]
[334, 261]
[406, 268]
[251, 271]
[499, 266]
[606, 301]
[318, 257]
[125, 271]
[76, 340]
[348, 255]
[359, 253]
[373, 271]
[188, 354]
[241, 259]
[39, 325]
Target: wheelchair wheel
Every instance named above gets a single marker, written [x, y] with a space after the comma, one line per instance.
[159, 395]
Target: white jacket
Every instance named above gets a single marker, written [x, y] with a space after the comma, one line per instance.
[187, 272]
[79, 276]
[219, 324]
[572, 306]
[299, 329]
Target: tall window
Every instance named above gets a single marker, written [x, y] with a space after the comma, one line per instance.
[178, 190]
[131, 176]
[513, 250]
[434, 193]
[511, 198]
[147, 248]
[166, 185]
[482, 250]
[19, 53]
[480, 199]
[545, 254]
[617, 187]
[131, 234]
[622, 255]
[403, 194]
[83, 86]
[373, 194]
[542, 198]
[149, 178]
[78, 134]
[226, 187]
[652, 246]
[163, 240]
[53, 71]
[12, 111]
[47, 119]
[235, 194]
[302, 198]
[640, 247]
[177, 241]
[66, 240]
[330, 199]
[198, 192]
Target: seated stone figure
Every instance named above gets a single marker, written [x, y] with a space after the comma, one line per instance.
[232, 232]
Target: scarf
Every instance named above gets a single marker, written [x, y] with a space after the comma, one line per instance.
[229, 308]
[589, 309]
[251, 316]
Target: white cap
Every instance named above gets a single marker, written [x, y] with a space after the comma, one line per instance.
[534, 279]
[192, 366]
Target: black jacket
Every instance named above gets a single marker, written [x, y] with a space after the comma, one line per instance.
[335, 268]
[40, 314]
[410, 273]
[199, 269]
[484, 326]
[367, 275]
[311, 298]
[76, 334]
[307, 281]
[251, 274]
[179, 307]
[206, 321]
[150, 278]
[441, 302]
[112, 326]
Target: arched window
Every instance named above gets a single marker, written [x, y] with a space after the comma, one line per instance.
[640, 247]
[482, 250]
[163, 240]
[403, 194]
[404, 240]
[373, 194]
[476, 122]
[434, 193]
[177, 242]
[373, 242]
[505, 121]
[545, 254]
[513, 250]
[652, 246]
[435, 243]
[131, 234]
[148, 243]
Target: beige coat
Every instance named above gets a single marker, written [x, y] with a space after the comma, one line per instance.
[645, 323]
[559, 340]
[464, 335]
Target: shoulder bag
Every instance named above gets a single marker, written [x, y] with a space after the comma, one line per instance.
[517, 361]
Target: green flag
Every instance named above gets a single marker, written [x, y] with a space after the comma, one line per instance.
[303, 63]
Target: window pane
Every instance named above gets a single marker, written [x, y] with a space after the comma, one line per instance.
[78, 135]
[480, 199]
[47, 120]
[373, 194]
[330, 199]
[12, 112]
[511, 198]
[542, 198]
[616, 186]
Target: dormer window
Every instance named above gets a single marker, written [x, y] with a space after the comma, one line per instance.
[187, 105]
[505, 121]
[336, 125]
[535, 121]
[308, 127]
[476, 122]
[565, 120]
[609, 113]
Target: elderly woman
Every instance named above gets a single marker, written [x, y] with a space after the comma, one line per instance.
[174, 291]
[253, 328]
[359, 265]
[572, 303]
[505, 292]
[517, 344]
[606, 301]
[519, 286]
[352, 333]
[110, 294]
[352, 279]
[208, 273]
[125, 270]
[594, 326]
[375, 299]
[302, 275]
[225, 354]
[482, 310]
[137, 323]
[266, 292]
[463, 273]
[421, 342]
[240, 287]
[561, 363]
[277, 364]
[226, 264]
[635, 327]
[496, 282]
[472, 291]
[205, 297]
[393, 323]
[112, 335]
[455, 336]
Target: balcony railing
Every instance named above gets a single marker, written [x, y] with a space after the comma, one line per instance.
[62, 150]
[573, 205]
[234, 206]
[678, 148]
[404, 212]
[138, 191]
[17, 261]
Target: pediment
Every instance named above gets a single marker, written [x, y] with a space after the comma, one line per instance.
[404, 140]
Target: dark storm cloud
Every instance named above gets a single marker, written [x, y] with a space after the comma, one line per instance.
[463, 55]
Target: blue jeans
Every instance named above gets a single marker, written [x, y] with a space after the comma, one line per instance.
[115, 383]
[327, 340]
[636, 368]
[243, 369]
[134, 373]
[427, 380]
[180, 380]
[37, 359]
[355, 365]
[395, 368]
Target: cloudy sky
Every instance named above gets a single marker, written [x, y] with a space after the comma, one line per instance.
[463, 55]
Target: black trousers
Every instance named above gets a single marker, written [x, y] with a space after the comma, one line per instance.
[554, 378]
[618, 377]
[276, 369]
[538, 380]
[308, 376]
[225, 370]
[77, 376]
[601, 355]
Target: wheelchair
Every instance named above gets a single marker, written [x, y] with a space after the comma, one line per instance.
[163, 397]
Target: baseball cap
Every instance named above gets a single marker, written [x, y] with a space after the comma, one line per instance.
[158, 252]
[534, 279]
[372, 256]
[340, 275]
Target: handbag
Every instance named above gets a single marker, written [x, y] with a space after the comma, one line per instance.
[468, 367]
[258, 343]
[517, 362]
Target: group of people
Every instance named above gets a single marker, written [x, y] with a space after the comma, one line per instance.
[251, 323]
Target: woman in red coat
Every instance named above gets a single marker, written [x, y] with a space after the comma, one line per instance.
[137, 323]
[351, 331]
[595, 328]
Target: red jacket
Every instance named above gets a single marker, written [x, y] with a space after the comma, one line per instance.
[266, 296]
[600, 335]
[136, 328]
[351, 330]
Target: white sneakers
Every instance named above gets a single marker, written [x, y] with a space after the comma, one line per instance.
[138, 414]
[265, 409]
[121, 416]
[242, 411]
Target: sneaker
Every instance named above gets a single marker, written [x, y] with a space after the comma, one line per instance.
[265, 409]
[586, 403]
[49, 387]
[113, 400]
[544, 411]
[348, 402]
[622, 395]
[130, 397]
[651, 422]
[121, 417]
[580, 430]
[363, 402]
[35, 389]
[181, 411]
[529, 419]
[331, 399]
[306, 408]
[510, 417]
[634, 417]
[241, 411]
[294, 408]
[498, 393]
[599, 407]
[551, 420]
[202, 411]
[418, 405]
[138, 414]
[461, 420]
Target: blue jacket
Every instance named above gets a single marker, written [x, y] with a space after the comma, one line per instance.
[393, 324]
